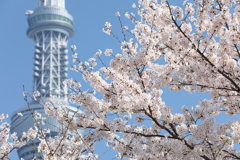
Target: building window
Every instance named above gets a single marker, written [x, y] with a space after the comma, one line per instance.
[49, 17]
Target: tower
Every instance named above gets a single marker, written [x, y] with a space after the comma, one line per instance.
[50, 26]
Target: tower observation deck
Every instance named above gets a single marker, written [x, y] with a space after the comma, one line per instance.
[50, 26]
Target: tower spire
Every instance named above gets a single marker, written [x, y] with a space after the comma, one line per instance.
[57, 3]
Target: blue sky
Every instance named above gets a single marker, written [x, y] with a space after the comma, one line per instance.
[16, 50]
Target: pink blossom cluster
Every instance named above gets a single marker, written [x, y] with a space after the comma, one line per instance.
[200, 47]
[8, 141]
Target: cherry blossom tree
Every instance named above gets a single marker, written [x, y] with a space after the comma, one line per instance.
[200, 46]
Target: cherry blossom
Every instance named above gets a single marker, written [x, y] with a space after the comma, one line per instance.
[199, 45]
[200, 48]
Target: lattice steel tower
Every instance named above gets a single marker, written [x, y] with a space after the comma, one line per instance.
[50, 26]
